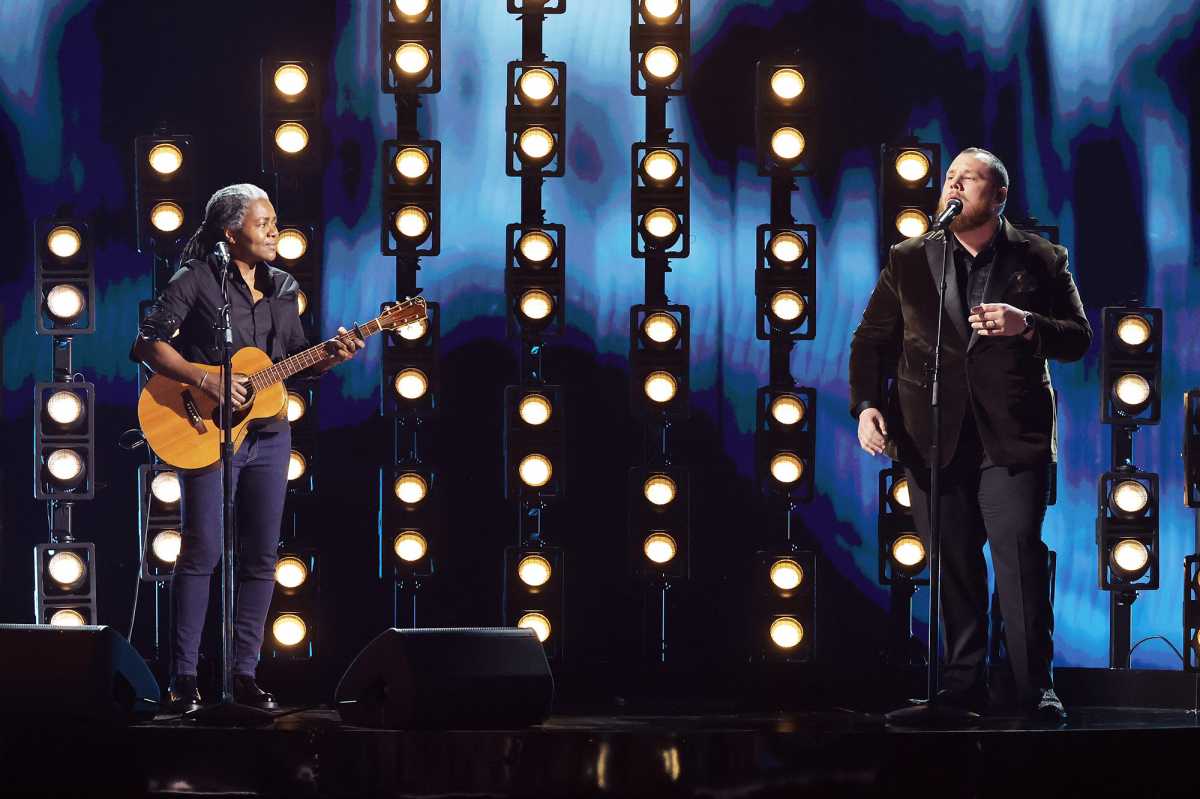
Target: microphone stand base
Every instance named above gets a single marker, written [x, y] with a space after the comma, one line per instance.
[227, 713]
[931, 714]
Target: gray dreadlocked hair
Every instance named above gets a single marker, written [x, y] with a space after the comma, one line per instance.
[225, 209]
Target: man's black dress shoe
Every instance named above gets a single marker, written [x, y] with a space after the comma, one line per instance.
[1049, 707]
[247, 692]
[971, 701]
[182, 695]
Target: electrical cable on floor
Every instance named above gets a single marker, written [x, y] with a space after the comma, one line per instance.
[1165, 640]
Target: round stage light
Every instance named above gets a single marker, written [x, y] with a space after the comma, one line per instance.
[166, 488]
[536, 87]
[412, 10]
[911, 223]
[660, 327]
[535, 470]
[297, 466]
[535, 248]
[908, 553]
[66, 569]
[166, 545]
[787, 306]
[660, 226]
[67, 617]
[786, 574]
[787, 409]
[410, 488]
[290, 572]
[534, 571]
[536, 145]
[660, 168]
[786, 632]
[786, 248]
[165, 159]
[900, 495]
[291, 80]
[1129, 498]
[536, 622]
[1133, 332]
[301, 302]
[412, 164]
[912, 166]
[64, 241]
[1131, 558]
[412, 223]
[411, 384]
[534, 409]
[659, 548]
[787, 468]
[291, 245]
[787, 83]
[296, 407]
[166, 217]
[660, 64]
[660, 387]
[787, 144]
[536, 305]
[410, 546]
[65, 408]
[414, 331]
[291, 137]
[412, 60]
[659, 490]
[65, 465]
[289, 630]
[661, 12]
[65, 302]
[1131, 394]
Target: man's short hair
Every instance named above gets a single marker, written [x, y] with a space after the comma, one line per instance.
[999, 171]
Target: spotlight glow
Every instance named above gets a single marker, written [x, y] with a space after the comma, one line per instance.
[412, 9]
[534, 409]
[289, 630]
[296, 407]
[787, 144]
[661, 64]
[535, 470]
[412, 164]
[412, 60]
[1131, 392]
[1130, 557]
[659, 490]
[411, 384]
[65, 408]
[536, 247]
[911, 223]
[787, 409]
[536, 144]
[65, 302]
[291, 80]
[166, 545]
[909, 552]
[660, 11]
[786, 632]
[660, 167]
[536, 305]
[787, 468]
[64, 241]
[534, 571]
[291, 137]
[787, 83]
[536, 86]
[166, 217]
[297, 466]
[65, 465]
[1130, 497]
[900, 493]
[166, 488]
[67, 617]
[290, 572]
[292, 244]
[66, 569]
[1133, 332]
[536, 622]
[787, 305]
[660, 387]
[787, 248]
[659, 548]
[165, 159]
[410, 488]
[660, 327]
[912, 166]
[412, 222]
[786, 574]
[660, 224]
[414, 331]
[410, 546]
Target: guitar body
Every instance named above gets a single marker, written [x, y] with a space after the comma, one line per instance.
[183, 425]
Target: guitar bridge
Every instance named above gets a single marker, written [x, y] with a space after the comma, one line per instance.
[193, 413]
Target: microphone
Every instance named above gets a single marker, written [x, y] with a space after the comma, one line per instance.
[222, 250]
[953, 208]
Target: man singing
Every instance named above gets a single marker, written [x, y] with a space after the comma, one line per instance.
[1010, 304]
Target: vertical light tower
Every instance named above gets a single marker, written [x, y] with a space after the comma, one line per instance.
[64, 423]
[411, 531]
[786, 291]
[535, 293]
[659, 331]
[1191, 499]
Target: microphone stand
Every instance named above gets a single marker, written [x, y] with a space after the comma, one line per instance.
[930, 712]
[226, 712]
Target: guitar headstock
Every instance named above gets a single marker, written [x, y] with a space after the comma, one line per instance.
[403, 313]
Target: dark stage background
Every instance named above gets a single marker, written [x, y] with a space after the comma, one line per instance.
[1089, 107]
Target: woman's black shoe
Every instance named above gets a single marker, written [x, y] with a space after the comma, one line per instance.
[247, 692]
[183, 695]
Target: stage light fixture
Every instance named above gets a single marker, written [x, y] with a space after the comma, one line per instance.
[787, 468]
[787, 409]
[65, 303]
[786, 574]
[534, 409]
[64, 242]
[409, 369]
[901, 551]
[660, 387]
[534, 281]
[534, 249]
[660, 200]
[787, 83]
[1127, 531]
[538, 623]
[912, 222]
[289, 630]
[1131, 558]
[299, 253]
[787, 145]
[912, 166]
[785, 282]
[908, 554]
[659, 47]
[166, 545]
[414, 331]
[291, 244]
[659, 489]
[660, 228]
[165, 487]
[296, 406]
[660, 65]
[659, 548]
[297, 466]
[412, 10]
[533, 591]
[64, 441]
[412, 223]
[290, 572]
[159, 521]
[537, 146]
[289, 117]
[410, 46]
[660, 168]
[290, 80]
[534, 441]
[659, 329]
[535, 118]
[534, 570]
[537, 86]
[787, 308]
[67, 617]
[412, 164]
[783, 593]
[785, 249]
[166, 217]
[660, 12]
[1129, 499]
[64, 579]
[786, 632]
[411, 384]
[781, 120]
[1191, 613]
[410, 546]
[164, 195]
[1191, 448]
[1131, 366]
[64, 277]
[411, 198]
[784, 447]
[410, 488]
[900, 496]
[66, 569]
[660, 521]
[909, 188]
[535, 306]
[535, 470]
[659, 355]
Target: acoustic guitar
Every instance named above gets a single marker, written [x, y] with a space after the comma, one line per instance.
[183, 424]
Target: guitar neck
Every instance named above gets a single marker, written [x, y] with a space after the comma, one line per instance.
[277, 373]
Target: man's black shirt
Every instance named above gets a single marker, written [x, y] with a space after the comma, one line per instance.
[973, 271]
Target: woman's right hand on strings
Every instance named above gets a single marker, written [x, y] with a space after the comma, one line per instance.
[211, 385]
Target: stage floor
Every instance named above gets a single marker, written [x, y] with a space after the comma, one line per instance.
[1134, 752]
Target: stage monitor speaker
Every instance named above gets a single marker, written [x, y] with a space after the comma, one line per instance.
[87, 673]
[438, 678]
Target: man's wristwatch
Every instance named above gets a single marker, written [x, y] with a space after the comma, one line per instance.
[1028, 322]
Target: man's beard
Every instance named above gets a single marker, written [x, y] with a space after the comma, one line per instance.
[967, 220]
